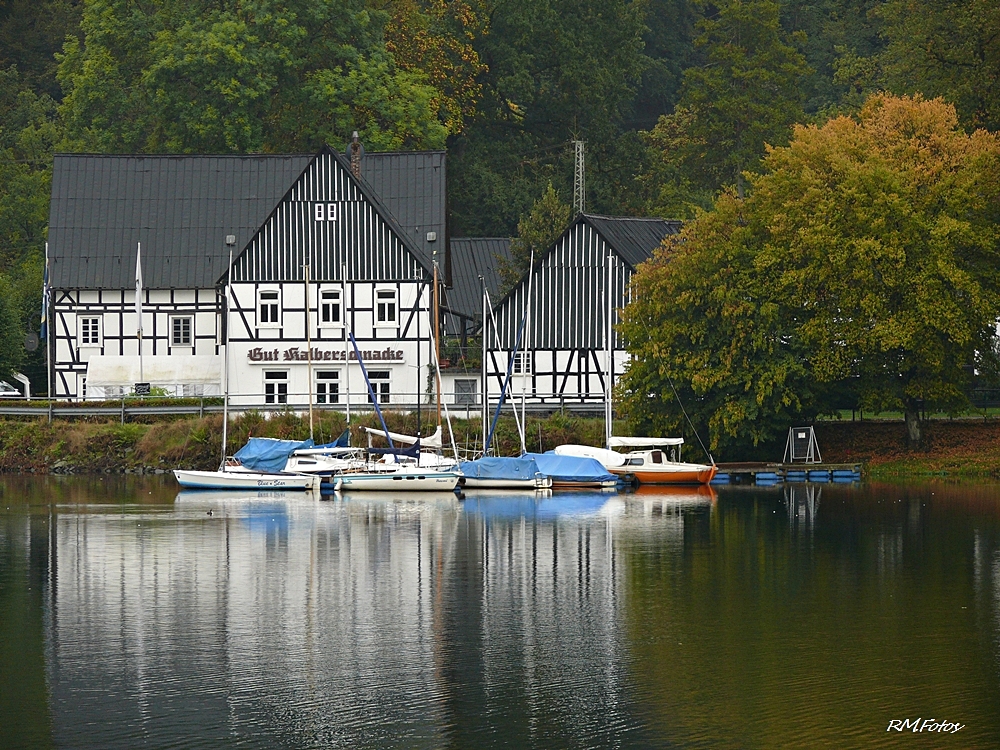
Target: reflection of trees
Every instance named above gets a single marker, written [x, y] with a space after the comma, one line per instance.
[24, 708]
[771, 632]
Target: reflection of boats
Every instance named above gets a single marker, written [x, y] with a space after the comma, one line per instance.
[679, 495]
[229, 495]
[409, 500]
[651, 502]
[489, 492]
[650, 466]
[532, 505]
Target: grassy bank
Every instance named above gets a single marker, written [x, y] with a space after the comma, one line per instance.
[961, 448]
[79, 447]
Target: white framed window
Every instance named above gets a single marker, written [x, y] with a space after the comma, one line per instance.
[90, 331]
[327, 386]
[330, 308]
[268, 308]
[522, 363]
[381, 381]
[275, 386]
[465, 392]
[385, 307]
[181, 330]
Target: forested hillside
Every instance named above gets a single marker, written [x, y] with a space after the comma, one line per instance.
[675, 99]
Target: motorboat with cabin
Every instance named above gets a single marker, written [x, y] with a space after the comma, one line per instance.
[650, 460]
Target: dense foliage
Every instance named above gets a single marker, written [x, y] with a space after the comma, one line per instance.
[676, 100]
[865, 260]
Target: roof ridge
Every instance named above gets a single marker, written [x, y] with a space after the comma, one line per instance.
[630, 218]
[92, 155]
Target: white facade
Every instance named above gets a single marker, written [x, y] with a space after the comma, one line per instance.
[102, 323]
[269, 362]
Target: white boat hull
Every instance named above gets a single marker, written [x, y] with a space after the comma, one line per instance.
[397, 481]
[531, 483]
[250, 480]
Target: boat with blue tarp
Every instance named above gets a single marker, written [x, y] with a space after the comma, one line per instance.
[573, 471]
[502, 472]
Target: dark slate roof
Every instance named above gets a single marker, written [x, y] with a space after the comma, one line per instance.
[472, 257]
[180, 207]
[411, 185]
[633, 239]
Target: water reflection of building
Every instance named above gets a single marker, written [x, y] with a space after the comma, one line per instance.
[252, 623]
[286, 620]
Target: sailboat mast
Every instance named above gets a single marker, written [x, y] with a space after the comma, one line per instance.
[609, 375]
[524, 354]
[309, 357]
[484, 387]
[437, 338]
[347, 343]
[225, 361]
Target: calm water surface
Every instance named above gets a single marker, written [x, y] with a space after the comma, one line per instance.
[804, 616]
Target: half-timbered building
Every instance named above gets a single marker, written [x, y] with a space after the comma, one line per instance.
[368, 235]
[561, 313]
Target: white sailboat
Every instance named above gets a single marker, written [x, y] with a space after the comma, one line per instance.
[231, 475]
[399, 469]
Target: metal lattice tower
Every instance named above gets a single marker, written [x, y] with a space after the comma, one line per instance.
[579, 179]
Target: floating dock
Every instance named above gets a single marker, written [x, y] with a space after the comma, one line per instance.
[764, 473]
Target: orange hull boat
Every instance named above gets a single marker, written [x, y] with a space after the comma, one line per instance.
[667, 473]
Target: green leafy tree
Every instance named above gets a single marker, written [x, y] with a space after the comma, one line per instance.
[827, 31]
[253, 75]
[947, 48]
[436, 38]
[31, 32]
[867, 254]
[11, 328]
[536, 231]
[28, 132]
[743, 94]
[556, 70]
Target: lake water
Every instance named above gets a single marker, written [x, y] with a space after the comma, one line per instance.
[801, 616]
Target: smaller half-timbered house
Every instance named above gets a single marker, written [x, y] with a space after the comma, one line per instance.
[564, 309]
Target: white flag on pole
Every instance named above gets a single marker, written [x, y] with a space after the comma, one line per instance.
[138, 289]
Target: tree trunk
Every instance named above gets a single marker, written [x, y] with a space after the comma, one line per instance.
[912, 425]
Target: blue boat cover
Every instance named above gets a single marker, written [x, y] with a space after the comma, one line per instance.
[269, 454]
[500, 468]
[570, 468]
[344, 441]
